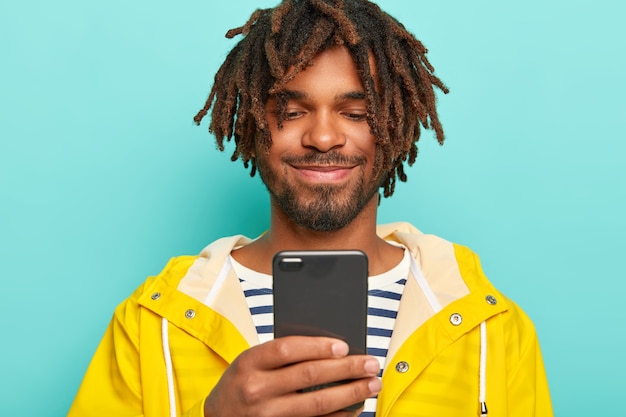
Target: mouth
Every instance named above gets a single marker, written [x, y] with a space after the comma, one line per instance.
[324, 173]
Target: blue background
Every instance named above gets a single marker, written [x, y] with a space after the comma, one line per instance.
[104, 176]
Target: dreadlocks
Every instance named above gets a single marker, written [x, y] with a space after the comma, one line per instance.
[281, 42]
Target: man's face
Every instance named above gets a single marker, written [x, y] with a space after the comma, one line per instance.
[320, 169]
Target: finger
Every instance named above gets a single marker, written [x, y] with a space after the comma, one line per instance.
[344, 413]
[292, 349]
[330, 400]
[313, 373]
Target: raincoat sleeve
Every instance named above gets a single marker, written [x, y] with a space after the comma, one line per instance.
[112, 385]
[528, 393]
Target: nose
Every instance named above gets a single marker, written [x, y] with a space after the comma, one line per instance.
[324, 133]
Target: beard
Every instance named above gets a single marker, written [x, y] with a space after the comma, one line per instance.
[324, 207]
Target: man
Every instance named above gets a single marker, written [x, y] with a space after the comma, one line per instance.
[326, 99]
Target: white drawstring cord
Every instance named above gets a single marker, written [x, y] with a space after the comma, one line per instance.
[167, 355]
[219, 281]
[482, 396]
[421, 281]
[168, 367]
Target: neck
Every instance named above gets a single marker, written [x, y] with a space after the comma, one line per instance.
[284, 234]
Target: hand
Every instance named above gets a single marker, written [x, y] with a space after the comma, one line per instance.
[264, 380]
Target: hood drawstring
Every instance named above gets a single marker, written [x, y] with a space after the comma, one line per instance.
[421, 281]
[168, 367]
[165, 336]
[482, 395]
[436, 306]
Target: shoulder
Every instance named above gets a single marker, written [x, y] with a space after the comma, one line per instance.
[471, 270]
[170, 276]
[128, 311]
[190, 273]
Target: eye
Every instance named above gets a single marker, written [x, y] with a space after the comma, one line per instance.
[292, 115]
[356, 116]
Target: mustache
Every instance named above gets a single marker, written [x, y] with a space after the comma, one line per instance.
[320, 158]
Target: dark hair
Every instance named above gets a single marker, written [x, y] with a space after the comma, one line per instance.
[289, 36]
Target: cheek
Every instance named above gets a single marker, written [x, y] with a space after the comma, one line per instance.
[368, 146]
[283, 136]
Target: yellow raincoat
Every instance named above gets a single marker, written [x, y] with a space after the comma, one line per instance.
[169, 342]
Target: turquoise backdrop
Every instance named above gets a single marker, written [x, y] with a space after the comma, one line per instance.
[103, 176]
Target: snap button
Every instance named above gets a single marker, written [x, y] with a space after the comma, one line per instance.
[456, 319]
[156, 296]
[491, 300]
[402, 367]
[190, 314]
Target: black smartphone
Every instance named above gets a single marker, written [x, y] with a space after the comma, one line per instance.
[322, 293]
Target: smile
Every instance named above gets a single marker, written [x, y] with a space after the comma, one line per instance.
[324, 173]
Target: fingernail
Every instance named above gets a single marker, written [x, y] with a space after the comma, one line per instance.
[372, 366]
[340, 349]
[375, 385]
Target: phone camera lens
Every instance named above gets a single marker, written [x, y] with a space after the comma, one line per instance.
[290, 264]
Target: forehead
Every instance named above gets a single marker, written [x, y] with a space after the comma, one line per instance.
[333, 67]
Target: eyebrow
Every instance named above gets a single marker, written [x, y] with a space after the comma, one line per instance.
[351, 95]
[300, 95]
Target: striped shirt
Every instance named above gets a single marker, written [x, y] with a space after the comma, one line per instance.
[384, 293]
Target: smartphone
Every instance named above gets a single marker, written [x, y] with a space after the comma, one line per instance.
[322, 293]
